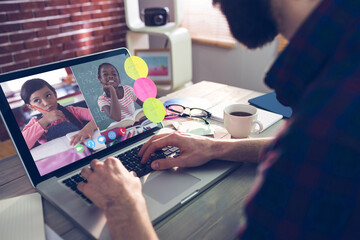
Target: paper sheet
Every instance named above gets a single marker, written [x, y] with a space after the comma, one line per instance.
[22, 218]
[51, 234]
[268, 118]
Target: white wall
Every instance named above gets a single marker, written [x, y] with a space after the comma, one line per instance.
[238, 67]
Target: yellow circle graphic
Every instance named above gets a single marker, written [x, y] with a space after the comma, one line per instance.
[136, 67]
[154, 110]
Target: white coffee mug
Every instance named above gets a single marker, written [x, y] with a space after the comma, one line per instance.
[240, 120]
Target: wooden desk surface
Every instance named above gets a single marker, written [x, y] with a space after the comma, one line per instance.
[214, 214]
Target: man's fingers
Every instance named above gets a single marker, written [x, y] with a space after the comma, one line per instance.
[114, 161]
[81, 186]
[133, 173]
[148, 143]
[162, 164]
[85, 172]
[155, 145]
[159, 143]
[94, 164]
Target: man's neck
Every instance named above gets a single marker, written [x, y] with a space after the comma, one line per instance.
[290, 14]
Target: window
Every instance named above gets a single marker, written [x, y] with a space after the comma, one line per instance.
[54, 77]
[207, 24]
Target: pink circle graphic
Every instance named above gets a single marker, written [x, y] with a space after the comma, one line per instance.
[145, 88]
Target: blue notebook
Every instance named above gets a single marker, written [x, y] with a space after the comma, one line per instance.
[269, 102]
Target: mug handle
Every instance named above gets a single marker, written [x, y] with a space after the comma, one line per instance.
[254, 130]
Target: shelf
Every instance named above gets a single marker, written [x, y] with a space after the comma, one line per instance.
[178, 38]
[140, 27]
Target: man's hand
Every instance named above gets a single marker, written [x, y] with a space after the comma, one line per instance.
[194, 150]
[109, 184]
[115, 190]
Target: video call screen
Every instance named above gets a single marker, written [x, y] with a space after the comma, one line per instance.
[71, 113]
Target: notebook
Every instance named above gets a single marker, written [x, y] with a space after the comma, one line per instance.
[48, 168]
[22, 217]
[269, 102]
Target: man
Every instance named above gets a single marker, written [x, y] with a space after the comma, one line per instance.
[309, 176]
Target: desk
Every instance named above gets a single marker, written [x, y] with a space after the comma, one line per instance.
[214, 214]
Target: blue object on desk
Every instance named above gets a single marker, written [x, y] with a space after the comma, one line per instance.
[269, 102]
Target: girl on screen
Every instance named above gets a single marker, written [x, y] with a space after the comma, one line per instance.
[55, 120]
[117, 101]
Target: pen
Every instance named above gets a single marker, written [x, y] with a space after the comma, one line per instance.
[40, 109]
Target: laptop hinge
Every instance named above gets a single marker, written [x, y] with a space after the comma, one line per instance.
[188, 198]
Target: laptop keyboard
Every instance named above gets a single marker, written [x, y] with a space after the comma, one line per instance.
[131, 162]
[72, 183]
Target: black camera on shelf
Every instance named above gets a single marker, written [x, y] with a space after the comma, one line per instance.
[156, 16]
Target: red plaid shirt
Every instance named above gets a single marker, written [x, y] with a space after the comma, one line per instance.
[308, 184]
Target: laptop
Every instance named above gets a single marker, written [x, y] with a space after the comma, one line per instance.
[53, 165]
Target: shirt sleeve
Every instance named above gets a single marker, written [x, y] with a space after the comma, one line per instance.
[131, 92]
[32, 132]
[309, 177]
[102, 101]
[80, 113]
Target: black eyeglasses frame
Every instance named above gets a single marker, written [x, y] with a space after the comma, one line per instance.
[182, 114]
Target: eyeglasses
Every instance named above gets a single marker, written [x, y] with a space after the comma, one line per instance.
[177, 110]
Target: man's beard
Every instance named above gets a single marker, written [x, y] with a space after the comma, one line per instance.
[251, 21]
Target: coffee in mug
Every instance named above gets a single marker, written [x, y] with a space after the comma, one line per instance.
[240, 120]
[240, 114]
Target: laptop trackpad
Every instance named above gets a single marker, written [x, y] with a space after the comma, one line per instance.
[168, 185]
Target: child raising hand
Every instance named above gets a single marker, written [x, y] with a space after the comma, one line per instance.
[56, 120]
[117, 101]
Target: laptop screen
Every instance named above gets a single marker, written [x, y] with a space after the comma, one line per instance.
[74, 109]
